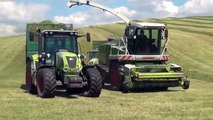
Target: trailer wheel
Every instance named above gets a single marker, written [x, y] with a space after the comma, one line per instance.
[46, 83]
[30, 87]
[93, 89]
[186, 85]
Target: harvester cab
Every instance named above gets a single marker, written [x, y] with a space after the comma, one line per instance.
[54, 59]
[146, 38]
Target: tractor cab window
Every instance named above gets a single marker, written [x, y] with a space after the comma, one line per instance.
[147, 42]
[53, 43]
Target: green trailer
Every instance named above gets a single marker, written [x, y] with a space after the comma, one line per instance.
[53, 59]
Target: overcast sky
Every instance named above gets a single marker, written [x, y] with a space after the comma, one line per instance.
[15, 14]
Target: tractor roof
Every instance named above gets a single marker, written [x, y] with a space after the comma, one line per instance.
[144, 24]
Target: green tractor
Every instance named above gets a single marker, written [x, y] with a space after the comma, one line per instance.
[139, 60]
[54, 59]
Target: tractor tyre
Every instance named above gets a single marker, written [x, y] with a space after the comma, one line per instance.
[186, 85]
[30, 87]
[93, 89]
[46, 83]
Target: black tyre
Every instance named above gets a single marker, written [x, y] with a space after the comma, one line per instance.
[122, 87]
[46, 83]
[186, 85]
[93, 89]
[30, 87]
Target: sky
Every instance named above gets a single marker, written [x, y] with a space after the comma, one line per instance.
[16, 13]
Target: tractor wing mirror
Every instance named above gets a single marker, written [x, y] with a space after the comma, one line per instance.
[82, 57]
[88, 37]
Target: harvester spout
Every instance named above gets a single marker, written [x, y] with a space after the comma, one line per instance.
[99, 6]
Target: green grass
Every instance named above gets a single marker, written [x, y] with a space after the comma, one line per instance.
[190, 46]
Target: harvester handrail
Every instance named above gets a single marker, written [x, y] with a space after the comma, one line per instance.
[126, 50]
[165, 46]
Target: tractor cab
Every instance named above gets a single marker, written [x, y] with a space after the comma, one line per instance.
[57, 40]
[146, 38]
[54, 42]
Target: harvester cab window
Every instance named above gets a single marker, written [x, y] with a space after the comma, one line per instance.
[147, 42]
[129, 34]
[155, 41]
[142, 41]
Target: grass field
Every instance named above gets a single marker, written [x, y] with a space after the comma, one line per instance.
[191, 41]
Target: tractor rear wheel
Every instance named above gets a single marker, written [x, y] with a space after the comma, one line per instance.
[30, 87]
[46, 83]
[93, 89]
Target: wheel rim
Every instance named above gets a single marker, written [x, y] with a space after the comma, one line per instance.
[40, 83]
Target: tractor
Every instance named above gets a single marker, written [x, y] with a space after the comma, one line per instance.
[139, 60]
[54, 60]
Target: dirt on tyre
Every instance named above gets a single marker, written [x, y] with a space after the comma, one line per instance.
[30, 87]
[46, 83]
[94, 86]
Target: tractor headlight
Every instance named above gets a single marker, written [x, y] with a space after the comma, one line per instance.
[48, 55]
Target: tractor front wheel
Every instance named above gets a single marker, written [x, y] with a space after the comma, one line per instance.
[46, 83]
[93, 89]
[30, 87]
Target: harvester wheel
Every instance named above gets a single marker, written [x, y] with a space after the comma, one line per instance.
[186, 85]
[94, 86]
[122, 86]
[46, 83]
[30, 87]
